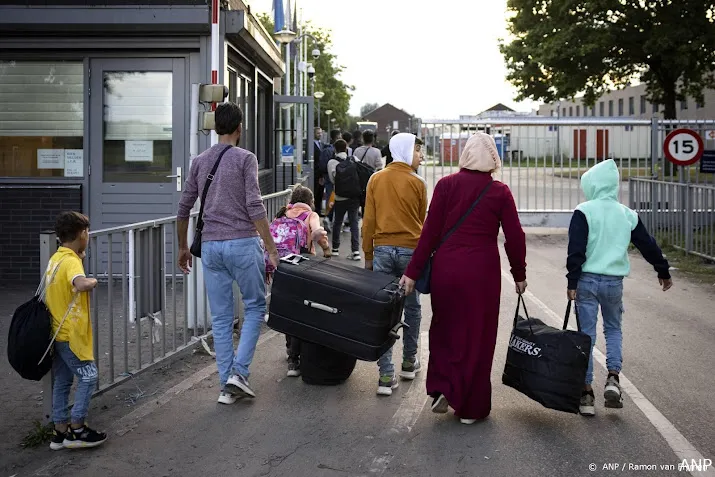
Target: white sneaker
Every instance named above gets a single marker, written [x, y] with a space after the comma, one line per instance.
[238, 385]
[468, 421]
[386, 384]
[226, 398]
[355, 256]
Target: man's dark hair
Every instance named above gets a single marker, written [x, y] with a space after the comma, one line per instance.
[347, 137]
[228, 118]
[418, 142]
[334, 135]
[368, 136]
[341, 146]
[69, 225]
[357, 135]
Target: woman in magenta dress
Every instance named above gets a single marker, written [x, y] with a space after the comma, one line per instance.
[466, 279]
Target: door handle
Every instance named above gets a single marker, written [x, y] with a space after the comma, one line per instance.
[177, 176]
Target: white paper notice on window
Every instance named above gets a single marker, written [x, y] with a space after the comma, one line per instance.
[139, 151]
[74, 163]
[50, 158]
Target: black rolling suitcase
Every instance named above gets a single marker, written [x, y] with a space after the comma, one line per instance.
[324, 366]
[348, 309]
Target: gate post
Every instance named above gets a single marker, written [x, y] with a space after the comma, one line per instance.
[689, 217]
[48, 246]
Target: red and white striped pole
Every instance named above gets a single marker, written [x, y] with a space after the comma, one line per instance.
[215, 45]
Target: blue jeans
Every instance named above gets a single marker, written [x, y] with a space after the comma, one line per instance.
[606, 291]
[226, 261]
[394, 261]
[65, 366]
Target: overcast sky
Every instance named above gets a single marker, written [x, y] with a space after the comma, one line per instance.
[434, 59]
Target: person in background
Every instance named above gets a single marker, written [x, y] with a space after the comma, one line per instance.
[347, 137]
[357, 140]
[67, 299]
[344, 205]
[234, 223]
[386, 150]
[395, 209]
[368, 153]
[318, 177]
[466, 278]
[325, 157]
[600, 232]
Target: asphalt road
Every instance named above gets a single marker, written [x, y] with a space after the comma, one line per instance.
[293, 429]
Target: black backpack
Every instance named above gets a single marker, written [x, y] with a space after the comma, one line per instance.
[347, 179]
[30, 338]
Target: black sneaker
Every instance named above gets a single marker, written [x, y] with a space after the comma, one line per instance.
[57, 441]
[587, 405]
[410, 369]
[83, 438]
[336, 251]
[293, 369]
[238, 385]
[612, 392]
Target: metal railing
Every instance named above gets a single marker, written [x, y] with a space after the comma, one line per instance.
[544, 157]
[144, 309]
[679, 214]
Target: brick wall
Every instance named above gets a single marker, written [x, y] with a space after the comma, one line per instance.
[25, 211]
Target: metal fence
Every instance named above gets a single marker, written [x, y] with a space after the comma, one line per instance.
[144, 310]
[678, 214]
[543, 158]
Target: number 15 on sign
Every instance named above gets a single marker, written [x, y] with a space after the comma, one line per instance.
[683, 147]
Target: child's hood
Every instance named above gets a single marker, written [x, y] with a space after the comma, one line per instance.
[296, 210]
[601, 181]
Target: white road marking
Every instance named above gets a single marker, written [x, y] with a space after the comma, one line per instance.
[405, 418]
[677, 442]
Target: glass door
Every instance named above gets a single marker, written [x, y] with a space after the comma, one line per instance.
[136, 139]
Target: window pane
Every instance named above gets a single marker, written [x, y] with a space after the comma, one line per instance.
[137, 126]
[643, 104]
[42, 116]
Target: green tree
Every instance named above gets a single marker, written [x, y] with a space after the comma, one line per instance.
[565, 47]
[368, 108]
[327, 74]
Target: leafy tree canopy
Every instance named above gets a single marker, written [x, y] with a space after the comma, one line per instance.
[565, 47]
[368, 108]
[327, 72]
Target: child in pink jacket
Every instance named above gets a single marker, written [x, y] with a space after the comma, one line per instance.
[301, 207]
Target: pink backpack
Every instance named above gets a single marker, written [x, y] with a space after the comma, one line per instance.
[290, 236]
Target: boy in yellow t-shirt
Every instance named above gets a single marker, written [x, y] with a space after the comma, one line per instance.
[67, 299]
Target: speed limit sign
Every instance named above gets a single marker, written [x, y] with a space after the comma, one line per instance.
[683, 147]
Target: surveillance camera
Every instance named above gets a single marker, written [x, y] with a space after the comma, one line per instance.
[316, 54]
[311, 72]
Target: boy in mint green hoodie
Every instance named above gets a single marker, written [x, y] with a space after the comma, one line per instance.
[601, 230]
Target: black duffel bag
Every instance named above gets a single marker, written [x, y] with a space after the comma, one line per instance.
[545, 363]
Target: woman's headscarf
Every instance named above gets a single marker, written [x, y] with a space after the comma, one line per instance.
[402, 148]
[480, 154]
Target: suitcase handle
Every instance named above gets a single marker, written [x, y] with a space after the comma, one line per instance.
[320, 306]
[396, 328]
[293, 259]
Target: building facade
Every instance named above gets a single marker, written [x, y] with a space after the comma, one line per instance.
[630, 102]
[96, 109]
[390, 118]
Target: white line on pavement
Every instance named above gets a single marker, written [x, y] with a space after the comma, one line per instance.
[408, 412]
[677, 442]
